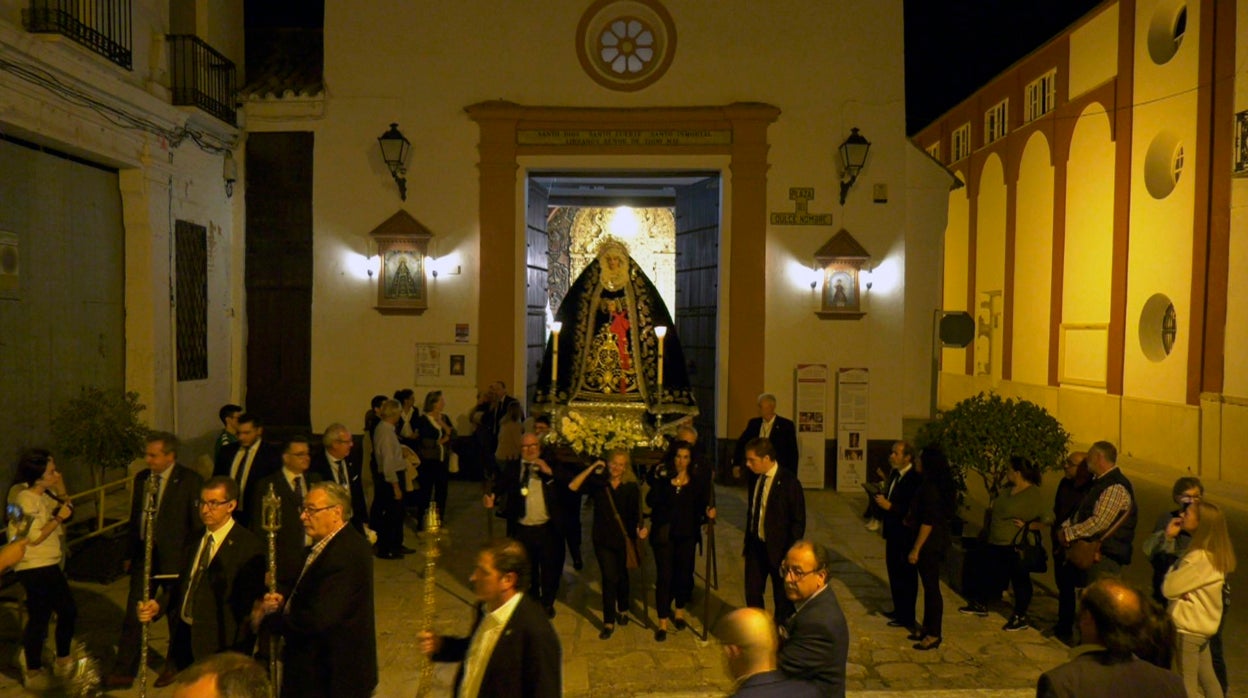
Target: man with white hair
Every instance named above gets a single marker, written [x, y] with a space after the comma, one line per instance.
[334, 464]
[768, 425]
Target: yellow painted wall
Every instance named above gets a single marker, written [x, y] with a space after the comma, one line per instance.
[990, 268]
[1033, 263]
[1088, 250]
[1234, 429]
[1161, 229]
[1161, 432]
[1236, 354]
[1094, 51]
[956, 267]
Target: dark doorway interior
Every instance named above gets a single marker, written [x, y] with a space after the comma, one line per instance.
[279, 278]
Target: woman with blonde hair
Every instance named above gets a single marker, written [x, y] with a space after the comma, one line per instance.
[1194, 590]
[617, 526]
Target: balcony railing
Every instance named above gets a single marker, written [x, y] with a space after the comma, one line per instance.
[201, 77]
[101, 25]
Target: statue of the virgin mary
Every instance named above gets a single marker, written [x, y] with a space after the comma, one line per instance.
[608, 351]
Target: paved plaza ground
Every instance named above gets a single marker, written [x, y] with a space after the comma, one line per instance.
[976, 658]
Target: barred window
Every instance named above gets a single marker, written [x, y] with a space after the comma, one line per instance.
[192, 300]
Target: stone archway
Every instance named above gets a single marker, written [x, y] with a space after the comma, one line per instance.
[739, 130]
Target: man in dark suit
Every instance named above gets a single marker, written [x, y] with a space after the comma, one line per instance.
[248, 461]
[894, 502]
[749, 640]
[327, 619]
[291, 484]
[532, 497]
[333, 464]
[512, 651]
[175, 527]
[768, 425]
[814, 641]
[775, 520]
[1110, 621]
[220, 584]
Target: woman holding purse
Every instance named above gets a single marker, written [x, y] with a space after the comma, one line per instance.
[616, 530]
[984, 578]
[435, 431]
[1194, 590]
[679, 505]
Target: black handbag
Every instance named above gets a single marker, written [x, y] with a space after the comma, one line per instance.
[1029, 547]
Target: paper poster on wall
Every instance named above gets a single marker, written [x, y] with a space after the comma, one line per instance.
[852, 388]
[446, 365]
[811, 410]
[461, 333]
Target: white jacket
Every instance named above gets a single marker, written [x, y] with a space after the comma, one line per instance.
[1194, 588]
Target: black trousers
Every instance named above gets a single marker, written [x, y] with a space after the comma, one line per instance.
[988, 571]
[933, 602]
[433, 477]
[757, 571]
[545, 548]
[616, 598]
[387, 515]
[570, 515]
[673, 572]
[903, 578]
[127, 661]
[1067, 577]
[47, 591]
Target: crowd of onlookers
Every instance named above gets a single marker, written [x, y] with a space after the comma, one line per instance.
[1093, 519]
[665, 509]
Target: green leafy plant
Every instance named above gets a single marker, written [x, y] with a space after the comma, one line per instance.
[100, 429]
[980, 435]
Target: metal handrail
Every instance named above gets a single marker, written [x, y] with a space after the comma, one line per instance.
[100, 494]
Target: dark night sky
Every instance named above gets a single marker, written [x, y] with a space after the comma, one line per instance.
[954, 47]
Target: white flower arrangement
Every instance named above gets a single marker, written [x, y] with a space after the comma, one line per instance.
[597, 433]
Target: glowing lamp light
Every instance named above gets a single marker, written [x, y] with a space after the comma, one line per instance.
[624, 223]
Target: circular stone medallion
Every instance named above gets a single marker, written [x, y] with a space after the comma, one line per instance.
[626, 45]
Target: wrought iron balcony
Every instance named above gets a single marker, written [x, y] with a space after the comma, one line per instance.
[201, 77]
[104, 26]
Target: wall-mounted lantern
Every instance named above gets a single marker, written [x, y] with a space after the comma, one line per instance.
[394, 150]
[853, 156]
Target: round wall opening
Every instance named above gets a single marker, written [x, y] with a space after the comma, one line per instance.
[1166, 30]
[1159, 327]
[1163, 164]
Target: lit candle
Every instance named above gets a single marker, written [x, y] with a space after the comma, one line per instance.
[554, 355]
[660, 332]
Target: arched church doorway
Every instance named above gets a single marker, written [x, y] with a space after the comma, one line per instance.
[730, 139]
[670, 224]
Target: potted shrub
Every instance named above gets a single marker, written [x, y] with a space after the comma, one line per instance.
[100, 430]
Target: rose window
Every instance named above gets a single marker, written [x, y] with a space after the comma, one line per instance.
[627, 45]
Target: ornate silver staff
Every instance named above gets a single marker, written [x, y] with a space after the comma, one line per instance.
[433, 540]
[271, 522]
[149, 544]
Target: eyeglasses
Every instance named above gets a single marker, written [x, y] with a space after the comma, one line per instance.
[312, 511]
[211, 504]
[300, 454]
[795, 572]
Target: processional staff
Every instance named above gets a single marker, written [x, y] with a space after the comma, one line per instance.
[149, 544]
[433, 540]
[271, 522]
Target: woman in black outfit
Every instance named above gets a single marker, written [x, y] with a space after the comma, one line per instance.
[679, 504]
[617, 515]
[435, 432]
[930, 512]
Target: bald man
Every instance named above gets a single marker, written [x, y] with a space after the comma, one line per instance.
[749, 640]
[1105, 666]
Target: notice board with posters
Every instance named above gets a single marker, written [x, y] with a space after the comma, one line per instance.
[811, 410]
[852, 409]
